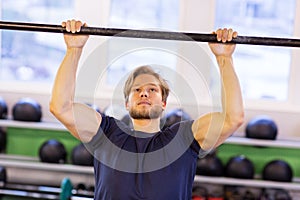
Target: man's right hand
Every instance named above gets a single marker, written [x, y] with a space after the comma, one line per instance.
[72, 40]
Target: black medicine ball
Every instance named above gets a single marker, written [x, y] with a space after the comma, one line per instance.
[27, 109]
[210, 165]
[52, 151]
[239, 167]
[127, 120]
[2, 140]
[3, 109]
[277, 170]
[81, 156]
[2, 176]
[174, 116]
[94, 106]
[261, 127]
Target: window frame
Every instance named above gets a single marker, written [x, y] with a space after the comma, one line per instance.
[96, 13]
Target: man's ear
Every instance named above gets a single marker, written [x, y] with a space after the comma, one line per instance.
[126, 105]
[164, 104]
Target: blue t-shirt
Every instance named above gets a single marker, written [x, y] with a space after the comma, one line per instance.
[133, 165]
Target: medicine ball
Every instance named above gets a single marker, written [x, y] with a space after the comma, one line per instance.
[94, 106]
[2, 176]
[27, 109]
[52, 151]
[117, 111]
[210, 165]
[127, 120]
[81, 156]
[261, 127]
[2, 140]
[277, 170]
[239, 167]
[174, 116]
[3, 109]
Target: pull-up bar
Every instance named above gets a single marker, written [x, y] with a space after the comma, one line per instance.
[147, 34]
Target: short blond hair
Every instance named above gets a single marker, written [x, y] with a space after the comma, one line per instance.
[146, 69]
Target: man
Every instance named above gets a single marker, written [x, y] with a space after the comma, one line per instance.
[145, 98]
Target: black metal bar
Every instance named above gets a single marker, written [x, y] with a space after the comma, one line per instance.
[28, 194]
[161, 35]
[40, 192]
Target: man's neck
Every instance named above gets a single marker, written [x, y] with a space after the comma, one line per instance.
[146, 125]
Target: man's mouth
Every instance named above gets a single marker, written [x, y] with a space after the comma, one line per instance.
[144, 103]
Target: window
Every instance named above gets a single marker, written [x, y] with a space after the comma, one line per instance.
[263, 71]
[147, 15]
[32, 56]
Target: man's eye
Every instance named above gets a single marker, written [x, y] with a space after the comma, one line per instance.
[153, 90]
[137, 89]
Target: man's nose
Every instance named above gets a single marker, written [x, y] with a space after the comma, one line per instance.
[144, 93]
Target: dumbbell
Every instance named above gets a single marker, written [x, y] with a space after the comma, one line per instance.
[66, 189]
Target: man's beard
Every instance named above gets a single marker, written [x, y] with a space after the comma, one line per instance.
[153, 113]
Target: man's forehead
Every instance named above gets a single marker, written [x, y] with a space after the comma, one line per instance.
[145, 79]
[156, 84]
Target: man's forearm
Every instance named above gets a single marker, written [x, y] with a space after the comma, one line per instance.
[231, 92]
[64, 84]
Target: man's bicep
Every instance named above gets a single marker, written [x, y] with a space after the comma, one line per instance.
[208, 130]
[86, 121]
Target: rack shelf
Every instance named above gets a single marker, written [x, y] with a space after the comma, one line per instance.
[248, 182]
[264, 143]
[32, 125]
[32, 163]
[29, 163]
[232, 140]
[29, 170]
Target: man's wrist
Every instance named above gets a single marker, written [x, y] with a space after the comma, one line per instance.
[224, 60]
